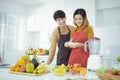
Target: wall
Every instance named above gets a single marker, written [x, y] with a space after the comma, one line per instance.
[108, 26]
[18, 10]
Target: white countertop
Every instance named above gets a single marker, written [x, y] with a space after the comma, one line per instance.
[6, 75]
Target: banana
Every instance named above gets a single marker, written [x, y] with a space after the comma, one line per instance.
[41, 68]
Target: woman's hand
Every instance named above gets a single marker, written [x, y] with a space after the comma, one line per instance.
[66, 44]
[69, 44]
[79, 45]
[74, 45]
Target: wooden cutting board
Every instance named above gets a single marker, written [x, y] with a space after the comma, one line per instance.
[29, 74]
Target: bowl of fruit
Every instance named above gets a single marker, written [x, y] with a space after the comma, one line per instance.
[29, 66]
[77, 69]
[108, 74]
[42, 51]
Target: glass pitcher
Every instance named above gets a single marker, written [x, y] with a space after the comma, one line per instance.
[93, 45]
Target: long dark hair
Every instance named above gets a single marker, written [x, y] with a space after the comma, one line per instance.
[82, 12]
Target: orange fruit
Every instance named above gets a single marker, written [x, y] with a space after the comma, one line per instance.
[83, 72]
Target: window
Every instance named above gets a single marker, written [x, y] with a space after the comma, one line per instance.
[11, 33]
[2, 29]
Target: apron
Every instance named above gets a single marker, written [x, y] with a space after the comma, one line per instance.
[63, 52]
[78, 55]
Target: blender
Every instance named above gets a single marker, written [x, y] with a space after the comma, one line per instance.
[93, 46]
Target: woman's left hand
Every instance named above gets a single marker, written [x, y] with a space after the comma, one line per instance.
[69, 44]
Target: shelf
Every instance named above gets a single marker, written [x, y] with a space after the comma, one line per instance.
[39, 54]
[112, 8]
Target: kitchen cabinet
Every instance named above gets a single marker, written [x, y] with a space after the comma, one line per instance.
[107, 13]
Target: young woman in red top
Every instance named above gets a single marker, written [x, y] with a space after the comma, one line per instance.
[82, 33]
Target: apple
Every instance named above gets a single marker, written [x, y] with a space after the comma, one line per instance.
[70, 66]
[109, 71]
[76, 68]
[102, 70]
[40, 50]
[118, 73]
[114, 71]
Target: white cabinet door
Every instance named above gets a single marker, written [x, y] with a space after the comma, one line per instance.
[2, 24]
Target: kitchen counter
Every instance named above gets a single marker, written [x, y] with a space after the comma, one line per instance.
[6, 75]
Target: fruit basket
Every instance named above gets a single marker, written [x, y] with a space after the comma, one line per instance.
[107, 76]
[75, 69]
[30, 74]
[28, 65]
[111, 73]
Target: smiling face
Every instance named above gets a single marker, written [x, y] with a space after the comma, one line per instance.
[61, 21]
[78, 20]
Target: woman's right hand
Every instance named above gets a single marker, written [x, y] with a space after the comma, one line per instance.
[73, 45]
[69, 44]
